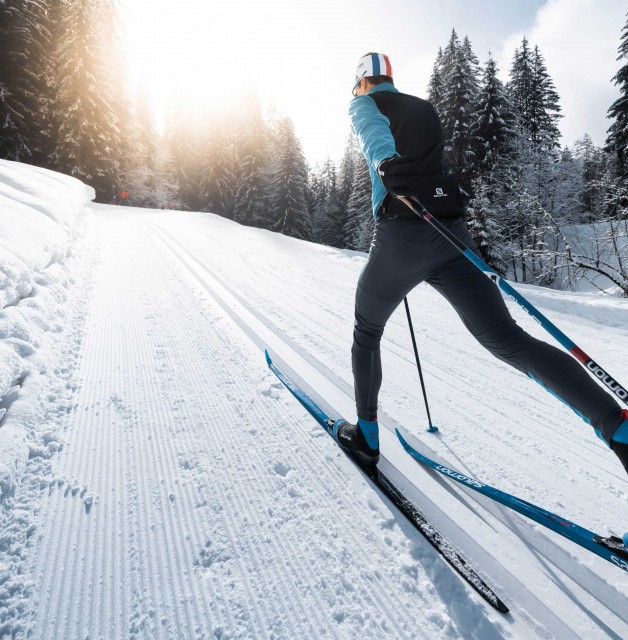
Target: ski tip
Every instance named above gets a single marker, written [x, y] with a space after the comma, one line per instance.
[268, 360]
[401, 438]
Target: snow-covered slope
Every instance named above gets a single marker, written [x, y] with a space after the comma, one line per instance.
[178, 491]
[39, 230]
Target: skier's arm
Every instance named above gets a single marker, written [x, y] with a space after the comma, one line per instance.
[372, 129]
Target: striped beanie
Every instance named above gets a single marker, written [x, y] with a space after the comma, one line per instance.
[373, 64]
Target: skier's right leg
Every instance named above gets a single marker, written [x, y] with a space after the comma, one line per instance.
[397, 263]
[398, 258]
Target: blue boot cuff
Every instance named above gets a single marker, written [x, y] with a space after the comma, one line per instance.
[370, 429]
[621, 435]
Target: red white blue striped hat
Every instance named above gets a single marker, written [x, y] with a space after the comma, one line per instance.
[372, 64]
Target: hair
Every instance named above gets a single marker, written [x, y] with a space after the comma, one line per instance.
[377, 79]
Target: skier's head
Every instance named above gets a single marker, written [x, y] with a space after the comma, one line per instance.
[373, 69]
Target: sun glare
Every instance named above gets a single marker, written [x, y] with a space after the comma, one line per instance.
[214, 53]
[196, 51]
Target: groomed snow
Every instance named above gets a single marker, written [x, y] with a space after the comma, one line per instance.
[158, 482]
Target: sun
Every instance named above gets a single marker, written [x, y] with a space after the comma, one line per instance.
[197, 51]
[218, 54]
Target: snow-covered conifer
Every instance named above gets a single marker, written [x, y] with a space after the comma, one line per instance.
[289, 184]
[84, 108]
[23, 72]
[460, 72]
[534, 98]
[617, 141]
[494, 128]
[251, 198]
[481, 218]
[185, 148]
[359, 227]
[436, 86]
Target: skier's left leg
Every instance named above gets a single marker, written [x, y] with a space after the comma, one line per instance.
[481, 307]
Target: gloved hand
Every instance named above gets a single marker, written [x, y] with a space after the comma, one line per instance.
[398, 174]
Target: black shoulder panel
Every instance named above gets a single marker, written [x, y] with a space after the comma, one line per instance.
[415, 127]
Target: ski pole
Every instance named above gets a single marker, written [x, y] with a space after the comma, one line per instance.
[586, 361]
[432, 428]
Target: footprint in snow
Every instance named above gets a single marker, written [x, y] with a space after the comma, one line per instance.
[281, 469]
[273, 390]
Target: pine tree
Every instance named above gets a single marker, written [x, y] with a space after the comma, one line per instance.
[84, 115]
[617, 140]
[185, 150]
[494, 127]
[141, 164]
[219, 167]
[545, 97]
[289, 185]
[436, 86]
[126, 144]
[534, 98]
[481, 219]
[23, 60]
[460, 72]
[251, 204]
[358, 231]
[444, 71]
[336, 216]
[325, 203]
[592, 165]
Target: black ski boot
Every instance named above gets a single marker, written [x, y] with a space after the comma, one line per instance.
[352, 437]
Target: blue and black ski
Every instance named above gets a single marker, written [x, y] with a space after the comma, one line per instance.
[610, 548]
[396, 496]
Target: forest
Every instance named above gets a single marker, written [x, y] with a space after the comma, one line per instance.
[540, 213]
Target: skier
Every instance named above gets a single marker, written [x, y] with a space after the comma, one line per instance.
[402, 141]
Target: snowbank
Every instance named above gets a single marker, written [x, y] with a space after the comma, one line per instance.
[39, 224]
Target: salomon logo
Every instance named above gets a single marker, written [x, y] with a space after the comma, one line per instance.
[459, 476]
[601, 375]
[622, 564]
[439, 193]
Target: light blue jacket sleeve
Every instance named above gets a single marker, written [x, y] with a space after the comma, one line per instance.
[372, 130]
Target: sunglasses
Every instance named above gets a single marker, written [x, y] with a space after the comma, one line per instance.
[357, 82]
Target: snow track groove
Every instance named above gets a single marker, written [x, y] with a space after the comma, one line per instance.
[312, 464]
[192, 501]
[254, 323]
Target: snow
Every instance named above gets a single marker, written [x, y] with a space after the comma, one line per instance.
[157, 481]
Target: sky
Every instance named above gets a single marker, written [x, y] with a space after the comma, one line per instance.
[301, 56]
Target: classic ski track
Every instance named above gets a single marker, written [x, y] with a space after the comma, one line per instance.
[390, 342]
[92, 576]
[302, 569]
[169, 240]
[168, 463]
[351, 519]
[388, 422]
[109, 573]
[546, 431]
